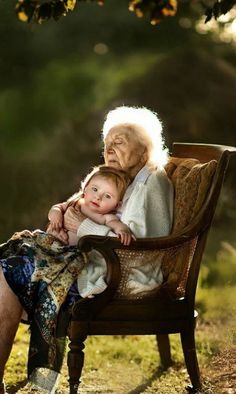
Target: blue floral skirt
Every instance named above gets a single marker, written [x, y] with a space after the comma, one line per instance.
[42, 272]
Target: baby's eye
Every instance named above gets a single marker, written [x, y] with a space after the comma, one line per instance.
[94, 189]
[107, 196]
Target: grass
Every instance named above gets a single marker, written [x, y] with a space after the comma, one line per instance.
[130, 364]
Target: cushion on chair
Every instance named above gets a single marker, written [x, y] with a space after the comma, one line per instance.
[191, 180]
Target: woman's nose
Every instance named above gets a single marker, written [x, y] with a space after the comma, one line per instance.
[109, 148]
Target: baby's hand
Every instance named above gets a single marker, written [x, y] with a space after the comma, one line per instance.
[125, 238]
[124, 233]
[56, 218]
[63, 236]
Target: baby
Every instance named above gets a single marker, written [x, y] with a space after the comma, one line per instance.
[101, 195]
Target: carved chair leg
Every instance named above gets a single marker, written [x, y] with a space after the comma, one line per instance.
[163, 343]
[75, 359]
[190, 356]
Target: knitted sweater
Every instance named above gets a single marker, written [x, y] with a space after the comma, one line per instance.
[147, 208]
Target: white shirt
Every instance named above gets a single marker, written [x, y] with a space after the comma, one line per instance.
[147, 209]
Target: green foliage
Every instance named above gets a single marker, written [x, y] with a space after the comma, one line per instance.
[59, 139]
[219, 8]
[34, 9]
[221, 270]
[157, 10]
[110, 361]
[217, 304]
[39, 11]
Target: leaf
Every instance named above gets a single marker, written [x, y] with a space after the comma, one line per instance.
[219, 8]
[44, 12]
[216, 10]
[26, 9]
[208, 14]
[59, 10]
[226, 5]
[70, 4]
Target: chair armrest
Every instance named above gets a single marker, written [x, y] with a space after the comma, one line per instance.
[107, 246]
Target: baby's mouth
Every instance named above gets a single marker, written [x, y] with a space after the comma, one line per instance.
[95, 203]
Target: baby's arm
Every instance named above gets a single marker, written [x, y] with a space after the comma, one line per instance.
[96, 217]
[112, 221]
[121, 229]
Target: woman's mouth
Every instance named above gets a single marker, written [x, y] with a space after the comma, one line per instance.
[114, 163]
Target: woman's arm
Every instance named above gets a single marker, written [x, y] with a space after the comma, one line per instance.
[61, 234]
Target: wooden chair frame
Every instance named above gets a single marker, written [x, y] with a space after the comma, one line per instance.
[106, 315]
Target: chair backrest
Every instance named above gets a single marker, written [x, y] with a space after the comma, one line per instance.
[185, 245]
[213, 161]
[197, 172]
[206, 153]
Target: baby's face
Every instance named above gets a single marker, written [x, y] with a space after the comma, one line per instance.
[101, 195]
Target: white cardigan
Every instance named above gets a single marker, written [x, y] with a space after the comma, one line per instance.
[147, 208]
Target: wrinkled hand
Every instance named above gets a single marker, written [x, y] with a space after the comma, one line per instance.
[71, 219]
[61, 234]
[56, 218]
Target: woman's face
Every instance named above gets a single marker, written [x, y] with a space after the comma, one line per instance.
[122, 150]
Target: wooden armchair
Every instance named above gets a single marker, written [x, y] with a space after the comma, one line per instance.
[170, 308]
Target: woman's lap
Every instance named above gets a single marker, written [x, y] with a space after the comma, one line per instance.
[18, 272]
[42, 274]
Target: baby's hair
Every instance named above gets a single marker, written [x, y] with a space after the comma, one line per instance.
[119, 177]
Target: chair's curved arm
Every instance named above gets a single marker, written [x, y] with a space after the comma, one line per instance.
[107, 246]
[106, 243]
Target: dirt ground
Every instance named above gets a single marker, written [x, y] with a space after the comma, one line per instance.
[222, 372]
[219, 377]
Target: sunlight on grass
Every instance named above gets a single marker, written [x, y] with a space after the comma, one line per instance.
[122, 364]
[16, 366]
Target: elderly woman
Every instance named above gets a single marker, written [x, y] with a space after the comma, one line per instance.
[132, 142]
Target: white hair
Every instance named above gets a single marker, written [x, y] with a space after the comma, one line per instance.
[147, 127]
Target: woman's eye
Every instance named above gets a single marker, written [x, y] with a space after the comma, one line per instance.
[94, 189]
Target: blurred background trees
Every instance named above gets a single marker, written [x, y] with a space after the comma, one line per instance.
[59, 79]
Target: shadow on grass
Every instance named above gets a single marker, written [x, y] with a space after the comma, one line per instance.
[14, 388]
[140, 389]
